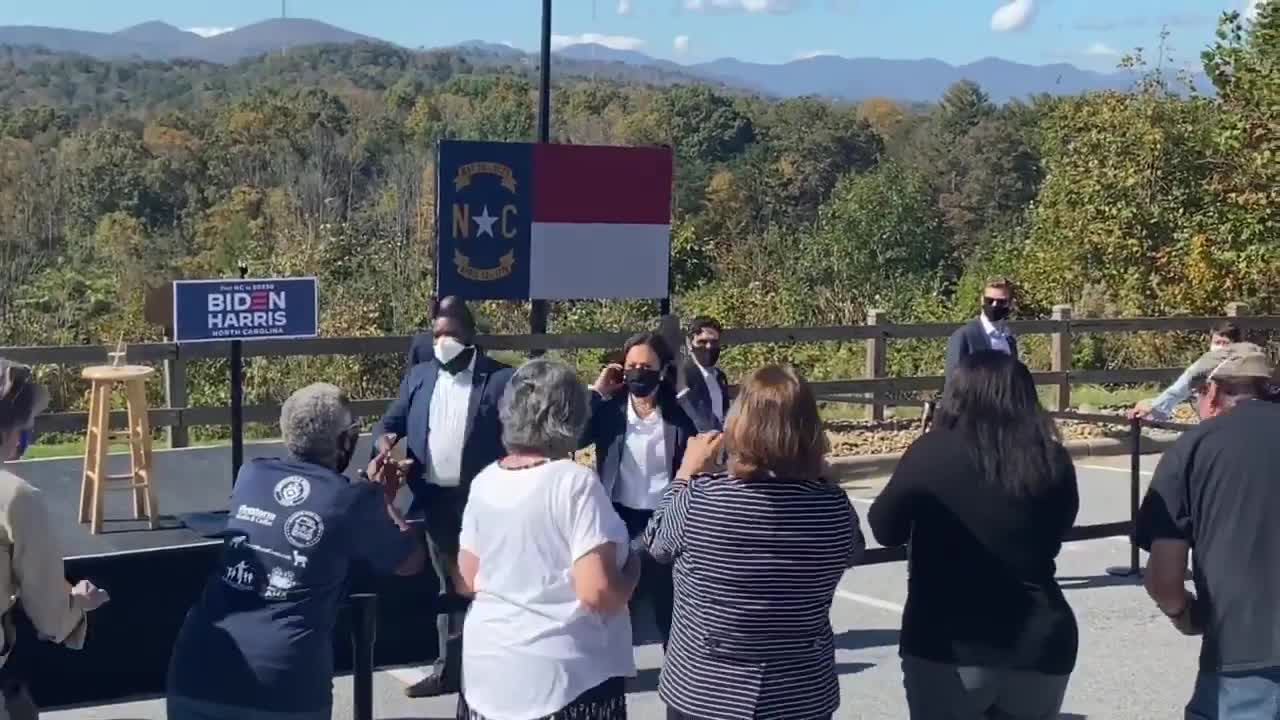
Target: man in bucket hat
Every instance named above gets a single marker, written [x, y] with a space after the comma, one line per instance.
[1215, 492]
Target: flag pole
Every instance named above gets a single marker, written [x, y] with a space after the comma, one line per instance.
[539, 309]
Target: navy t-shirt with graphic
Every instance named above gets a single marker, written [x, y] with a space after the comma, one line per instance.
[261, 634]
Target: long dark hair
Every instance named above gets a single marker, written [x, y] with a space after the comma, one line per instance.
[991, 400]
[667, 403]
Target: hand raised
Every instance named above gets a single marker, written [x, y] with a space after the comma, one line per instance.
[701, 455]
[609, 383]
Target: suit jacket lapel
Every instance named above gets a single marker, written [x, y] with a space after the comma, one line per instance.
[478, 377]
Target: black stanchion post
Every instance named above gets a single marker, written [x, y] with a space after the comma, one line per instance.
[237, 400]
[364, 627]
[1135, 491]
[1133, 569]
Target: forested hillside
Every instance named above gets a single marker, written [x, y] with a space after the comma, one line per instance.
[116, 176]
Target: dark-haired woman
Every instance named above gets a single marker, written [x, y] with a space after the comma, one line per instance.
[640, 431]
[985, 499]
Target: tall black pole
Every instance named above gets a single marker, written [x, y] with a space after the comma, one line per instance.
[237, 401]
[539, 310]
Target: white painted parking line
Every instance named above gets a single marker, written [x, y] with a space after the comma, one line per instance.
[869, 601]
[1126, 471]
[865, 501]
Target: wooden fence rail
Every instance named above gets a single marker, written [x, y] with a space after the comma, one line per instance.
[1062, 327]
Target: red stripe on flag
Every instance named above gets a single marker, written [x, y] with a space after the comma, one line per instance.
[594, 184]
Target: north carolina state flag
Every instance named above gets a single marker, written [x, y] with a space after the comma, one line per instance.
[554, 222]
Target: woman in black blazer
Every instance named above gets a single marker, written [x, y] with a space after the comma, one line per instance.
[758, 552]
[640, 431]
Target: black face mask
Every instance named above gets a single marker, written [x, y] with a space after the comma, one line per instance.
[346, 452]
[641, 382]
[995, 313]
[706, 356]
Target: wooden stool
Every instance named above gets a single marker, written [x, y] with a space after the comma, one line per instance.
[96, 480]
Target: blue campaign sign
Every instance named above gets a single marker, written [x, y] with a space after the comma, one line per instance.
[250, 309]
[485, 220]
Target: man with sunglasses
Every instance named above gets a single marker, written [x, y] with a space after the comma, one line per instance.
[1214, 493]
[989, 331]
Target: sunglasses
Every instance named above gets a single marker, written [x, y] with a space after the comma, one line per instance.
[995, 302]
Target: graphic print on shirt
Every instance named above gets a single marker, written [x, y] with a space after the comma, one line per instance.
[279, 583]
[299, 560]
[239, 576]
[292, 491]
[255, 515]
[303, 529]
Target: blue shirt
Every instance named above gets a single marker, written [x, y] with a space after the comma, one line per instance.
[261, 634]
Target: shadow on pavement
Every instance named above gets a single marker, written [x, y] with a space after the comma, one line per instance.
[858, 639]
[1096, 581]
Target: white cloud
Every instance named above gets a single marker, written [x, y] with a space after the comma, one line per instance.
[754, 7]
[1013, 15]
[811, 54]
[209, 32]
[614, 42]
[1100, 49]
[681, 44]
[624, 7]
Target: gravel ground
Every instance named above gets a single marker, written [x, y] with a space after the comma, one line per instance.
[851, 438]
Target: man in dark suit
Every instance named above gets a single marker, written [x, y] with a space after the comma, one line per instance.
[702, 385]
[447, 415]
[989, 331]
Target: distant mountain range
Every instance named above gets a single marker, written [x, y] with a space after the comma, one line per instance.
[827, 76]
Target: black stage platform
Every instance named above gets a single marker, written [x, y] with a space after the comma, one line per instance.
[154, 576]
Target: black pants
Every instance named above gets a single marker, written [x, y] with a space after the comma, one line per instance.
[442, 509]
[655, 578]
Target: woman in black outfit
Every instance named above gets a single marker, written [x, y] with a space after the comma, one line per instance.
[985, 499]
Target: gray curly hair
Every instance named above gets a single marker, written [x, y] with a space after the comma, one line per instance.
[312, 420]
[544, 409]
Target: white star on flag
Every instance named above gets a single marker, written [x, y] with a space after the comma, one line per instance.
[484, 222]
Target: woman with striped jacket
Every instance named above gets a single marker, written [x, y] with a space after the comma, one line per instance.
[758, 552]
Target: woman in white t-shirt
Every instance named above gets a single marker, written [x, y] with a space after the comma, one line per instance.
[548, 559]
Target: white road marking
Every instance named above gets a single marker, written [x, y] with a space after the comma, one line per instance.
[1126, 471]
[407, 675]
[865, 501]
[869, 601]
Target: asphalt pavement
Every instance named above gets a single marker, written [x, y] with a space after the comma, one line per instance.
[1132, 664]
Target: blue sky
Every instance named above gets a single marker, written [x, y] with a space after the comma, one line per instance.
[1088, 33]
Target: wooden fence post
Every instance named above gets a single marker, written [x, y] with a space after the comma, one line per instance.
[1237, 309]
[175, 396]
[875, 365]
[1061, 355]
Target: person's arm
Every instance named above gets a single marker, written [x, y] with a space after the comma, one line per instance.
[38, 572]
[1070, 503]
[395, 421]
[665, 534]
[892, 514]
[597, 536]
[380, 535]
[859, 544]
[1162, 407]
[1165, 530]
[955, 352]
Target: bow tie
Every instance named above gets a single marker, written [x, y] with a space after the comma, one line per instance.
[459, 363]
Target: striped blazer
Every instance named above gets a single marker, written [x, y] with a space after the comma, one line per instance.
[756, 566]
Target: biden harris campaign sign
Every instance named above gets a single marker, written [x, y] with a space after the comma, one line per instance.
[263, 309]
[520, 221]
